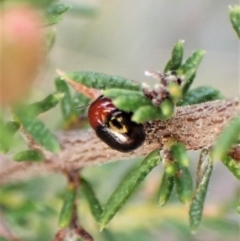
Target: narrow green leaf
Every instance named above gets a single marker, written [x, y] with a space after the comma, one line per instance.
[176, 59]
[79, 100]
[202, 163]
[188, 79]
[167, 107]
[235, 18]
[148, 113]
[54, 12]
[184, 184]
[191, 63]
[3, 239]
[39, 132]
[127, 186]
[4, 137]
[170, 167]
[226, 139]
[166, 187]
[58, 9]
[50, 40]
[199, 95]
[28, 156]
[183, 179]
[127, 100]
[102, 81]
[238, 207]
[232, 165]
[167, 66]
[67, 106]
[84, 10]
[7, 133]
[188, 70]
[198, 200]
[46, 104]
[12, 127]
[142, 108]
[68, 206]
[179, 153]
[114, 93]
[52, 19]
[93, 202]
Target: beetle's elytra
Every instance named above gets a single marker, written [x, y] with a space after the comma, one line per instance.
[114, 126]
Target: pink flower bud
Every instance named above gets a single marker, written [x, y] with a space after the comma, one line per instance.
[21, 51]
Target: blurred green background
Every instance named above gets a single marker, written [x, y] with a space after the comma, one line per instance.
[126, 38]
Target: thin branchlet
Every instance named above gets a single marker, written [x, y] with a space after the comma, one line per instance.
[197, 126]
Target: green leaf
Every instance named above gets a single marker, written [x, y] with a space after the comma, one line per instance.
[68, 206]
[199, 95]
[176, 59]
[93, 202]
[127, 100]
[38, 131]
[238, 207]
[166, 187]
[127, 186]
[184, 184]
[7, 133]
[235, 18]
[148, 113]
[232, 165]
[58, 9]
[179, 153]
[183, 179]
[50, 38]
[28, 156]
[204, 174]
[188, 70]
[12, 127]
[188, 79]
[44, 105]
[67, 105]
[226, 139]
[191, 63]
[83, 10]
[79, 100]
[102, 81]
[54, 12]
[3, 239]
[142, 108]
[168, 109]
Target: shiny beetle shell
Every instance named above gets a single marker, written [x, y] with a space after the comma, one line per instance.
[115, 127]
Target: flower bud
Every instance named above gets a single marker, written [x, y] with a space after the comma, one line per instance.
[21, 51]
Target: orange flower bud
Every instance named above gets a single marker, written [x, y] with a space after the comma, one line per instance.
[21, 51]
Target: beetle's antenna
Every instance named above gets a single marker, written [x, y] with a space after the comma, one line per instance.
[82, 106]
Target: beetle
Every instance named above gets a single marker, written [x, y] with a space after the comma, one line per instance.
[114, 126]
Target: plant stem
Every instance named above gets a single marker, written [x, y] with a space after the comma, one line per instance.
[197, 126]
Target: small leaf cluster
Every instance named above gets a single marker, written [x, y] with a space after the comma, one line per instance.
[25, 120]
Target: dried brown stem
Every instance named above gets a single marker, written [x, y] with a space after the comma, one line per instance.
[74, 228]
[197, 126]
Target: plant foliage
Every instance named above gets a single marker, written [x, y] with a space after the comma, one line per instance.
[128, 96]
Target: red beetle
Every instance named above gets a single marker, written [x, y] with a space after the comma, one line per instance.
[114, 126]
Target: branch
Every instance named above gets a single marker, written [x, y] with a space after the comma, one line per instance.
[197, 126]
